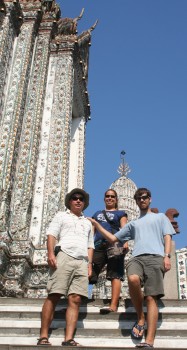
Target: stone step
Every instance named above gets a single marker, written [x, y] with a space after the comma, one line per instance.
[91, 313]
[20, 325]
[89, 302]
[28, 347]
[97, 343]
[90, 332]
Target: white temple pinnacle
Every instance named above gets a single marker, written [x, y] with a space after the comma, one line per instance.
[123, 169]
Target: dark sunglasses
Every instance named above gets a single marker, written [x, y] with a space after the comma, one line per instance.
[75, 198]
[142, 197]
[110, 196]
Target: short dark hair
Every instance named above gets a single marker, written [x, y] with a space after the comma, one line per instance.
[141, 191]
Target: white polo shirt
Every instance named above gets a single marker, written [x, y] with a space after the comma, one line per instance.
[73, 233]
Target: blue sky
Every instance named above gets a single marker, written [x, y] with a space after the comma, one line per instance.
[138, 95]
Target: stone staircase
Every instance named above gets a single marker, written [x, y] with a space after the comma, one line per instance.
[20, 325]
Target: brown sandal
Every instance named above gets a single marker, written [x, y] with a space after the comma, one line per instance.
[70, 342]
[43, 341]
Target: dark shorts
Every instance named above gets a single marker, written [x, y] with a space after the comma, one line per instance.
[150, 269]
[115, 266]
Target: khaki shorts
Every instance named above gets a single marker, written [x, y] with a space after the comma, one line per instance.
[150, 269]
[70, 277]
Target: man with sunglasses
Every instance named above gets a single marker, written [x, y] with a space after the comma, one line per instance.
[71, 267]
[150, 260]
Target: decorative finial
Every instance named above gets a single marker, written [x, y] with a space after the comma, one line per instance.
[123, 169]
[94, 25]
[80, 16]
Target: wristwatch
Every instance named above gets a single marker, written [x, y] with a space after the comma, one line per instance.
[168, 255]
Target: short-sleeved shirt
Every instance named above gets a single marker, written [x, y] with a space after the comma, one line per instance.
[148, 233]
[114, 216]
[73, 233]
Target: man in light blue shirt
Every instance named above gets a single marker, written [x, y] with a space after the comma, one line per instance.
[150, 260]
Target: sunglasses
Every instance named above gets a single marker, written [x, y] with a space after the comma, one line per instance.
[75, 198]
[142, 197]
[110, 196]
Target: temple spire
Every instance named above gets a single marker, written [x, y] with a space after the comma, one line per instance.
[123, 169]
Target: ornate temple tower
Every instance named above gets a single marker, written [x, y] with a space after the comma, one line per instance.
[44, 108]
[126, 189]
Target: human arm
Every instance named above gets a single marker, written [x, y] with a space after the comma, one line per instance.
[106, 234]
[167, 250]
[123, 222]
[51, 241]
[90, 261]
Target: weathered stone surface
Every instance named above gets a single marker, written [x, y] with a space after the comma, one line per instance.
[44, 85]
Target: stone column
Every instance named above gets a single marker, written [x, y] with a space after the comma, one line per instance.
[25, 174]
[170, 278]
[53, 163]
[12, 118]
[10, 21]
[17, 248]
[77, 155]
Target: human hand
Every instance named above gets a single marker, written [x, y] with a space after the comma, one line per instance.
[93, 221]
[167, 263]
[125, 248]
[52, 260]
[89, 270]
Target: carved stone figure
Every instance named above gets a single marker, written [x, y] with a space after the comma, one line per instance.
[68, 26]
[50, 7]
[173, 213]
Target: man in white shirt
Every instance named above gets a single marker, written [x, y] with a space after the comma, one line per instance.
[71, 267]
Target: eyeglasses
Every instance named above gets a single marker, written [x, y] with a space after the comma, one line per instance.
[75, 198]
[142, 197]
[110, 196]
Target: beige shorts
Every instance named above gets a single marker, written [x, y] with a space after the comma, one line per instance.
[70, 277]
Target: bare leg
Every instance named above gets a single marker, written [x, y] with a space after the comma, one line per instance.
[152, 318]
[116, 289]
[48, 313]
[72, 314]
[137, 299]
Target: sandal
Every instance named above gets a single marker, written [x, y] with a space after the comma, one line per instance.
[144, 345]
[43, 341]
[70, 342]
[106, 310]
[139, 329]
